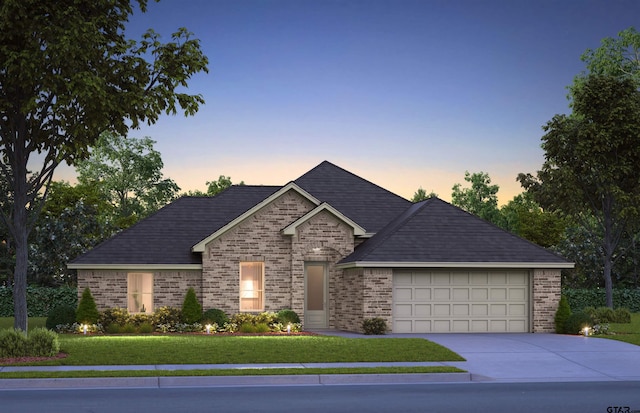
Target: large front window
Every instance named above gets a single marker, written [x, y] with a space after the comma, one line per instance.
[140, 292]
[251, 286]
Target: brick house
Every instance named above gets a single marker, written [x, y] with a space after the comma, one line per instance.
[335, 248]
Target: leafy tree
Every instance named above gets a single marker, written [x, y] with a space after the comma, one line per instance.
[223, 182]
[67, 74]
[525, 218]
[128, 174]
[480, 199]
[69, 225]
[592, 163]
[421, 195]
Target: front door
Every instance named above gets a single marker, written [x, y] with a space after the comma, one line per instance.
[315, 296]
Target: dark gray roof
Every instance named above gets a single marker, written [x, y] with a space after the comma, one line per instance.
[167, 236]
[369, 205]
[434, 231]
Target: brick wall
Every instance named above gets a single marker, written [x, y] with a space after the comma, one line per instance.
[545, 299]
[109, 287]
[258, 238]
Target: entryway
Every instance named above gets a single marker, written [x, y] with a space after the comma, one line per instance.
[315, 296]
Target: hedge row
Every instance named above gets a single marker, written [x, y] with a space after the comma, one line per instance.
[40, 300]
[624, 297]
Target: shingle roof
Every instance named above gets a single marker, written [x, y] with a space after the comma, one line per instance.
[167, 236]
[371, 206]
[434, 231]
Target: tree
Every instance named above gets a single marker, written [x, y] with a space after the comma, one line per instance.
[421, 195]
[481, 199]
[70, 224]
[592, 163]
[87, 312]
[191, 308]
[68, 73]
[619, 58]
[127, 172]
[223, 182]
[525, 218]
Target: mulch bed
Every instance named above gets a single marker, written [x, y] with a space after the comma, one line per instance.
[18, 360]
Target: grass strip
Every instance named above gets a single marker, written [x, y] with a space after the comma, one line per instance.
[228, 372]
[627, 332]
[212, 349]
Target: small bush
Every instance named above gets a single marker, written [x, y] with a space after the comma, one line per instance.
[267, 317]
[287, 316]
[61, 315]
[128, 329]
[13, 343]
[145, 328]
[603, 315]
[243, 318]
[622, 315]
[215, 316]
[113, 328]
[577, 322]
[113, 316]
[374, 326]
[262, 328]
[191, 308]
[140, 318]
[562, 313]
[87, 312]
[167, 316]
[42, 343]
[248, 328]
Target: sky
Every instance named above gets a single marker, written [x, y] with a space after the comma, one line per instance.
[405, 94]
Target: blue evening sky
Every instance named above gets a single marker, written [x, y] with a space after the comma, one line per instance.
[406, 94]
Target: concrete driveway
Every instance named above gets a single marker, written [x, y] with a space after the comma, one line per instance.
[536, 357]
[542, 357]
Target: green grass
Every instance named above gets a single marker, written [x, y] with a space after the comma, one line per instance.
[7, 322]
[203, 349]
[228, 372]
[627, 332]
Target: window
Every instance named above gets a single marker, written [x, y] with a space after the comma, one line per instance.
[251, 286]
[140, 292]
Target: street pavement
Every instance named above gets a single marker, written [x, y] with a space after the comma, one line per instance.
[489, 358]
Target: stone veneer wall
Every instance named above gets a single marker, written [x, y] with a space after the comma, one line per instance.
[258, 238]
[545, 298]
[109, 287]
[321, 239]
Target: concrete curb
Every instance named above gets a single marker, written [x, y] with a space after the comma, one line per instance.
[231, 381]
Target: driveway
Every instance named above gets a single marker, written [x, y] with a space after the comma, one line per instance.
[538, 357]
[542, 357]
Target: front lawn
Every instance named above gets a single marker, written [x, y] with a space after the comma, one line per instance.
[7, 322]
[628, 332]
[203, 349]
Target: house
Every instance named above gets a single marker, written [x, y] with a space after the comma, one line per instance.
[335, 248]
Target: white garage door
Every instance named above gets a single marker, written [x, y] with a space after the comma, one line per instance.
[460, 301]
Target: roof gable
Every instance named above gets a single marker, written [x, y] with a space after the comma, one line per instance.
[200, 246]
[435, 233]
[291, 229]
[371, 206]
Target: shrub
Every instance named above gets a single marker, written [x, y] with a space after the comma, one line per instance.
[247, 328]
[374, 326]
[40, 300]
[128, 328]
[287, 316]
[87, 312]
[113, 316]
[61, 315]
[243, 318]
[267, 317]
[562, 313]
[140, 318]
[215, 316]
[42, 343]
[603, 315]
[146, 328]
[191, 308]
[13, 343]
[262, 328]
[113, 328]
[577, 322]
[622, 315]
[167, 316]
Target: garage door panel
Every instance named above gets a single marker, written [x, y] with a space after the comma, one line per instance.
[458, 301]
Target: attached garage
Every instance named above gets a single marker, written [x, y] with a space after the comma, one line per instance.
[461, 301]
